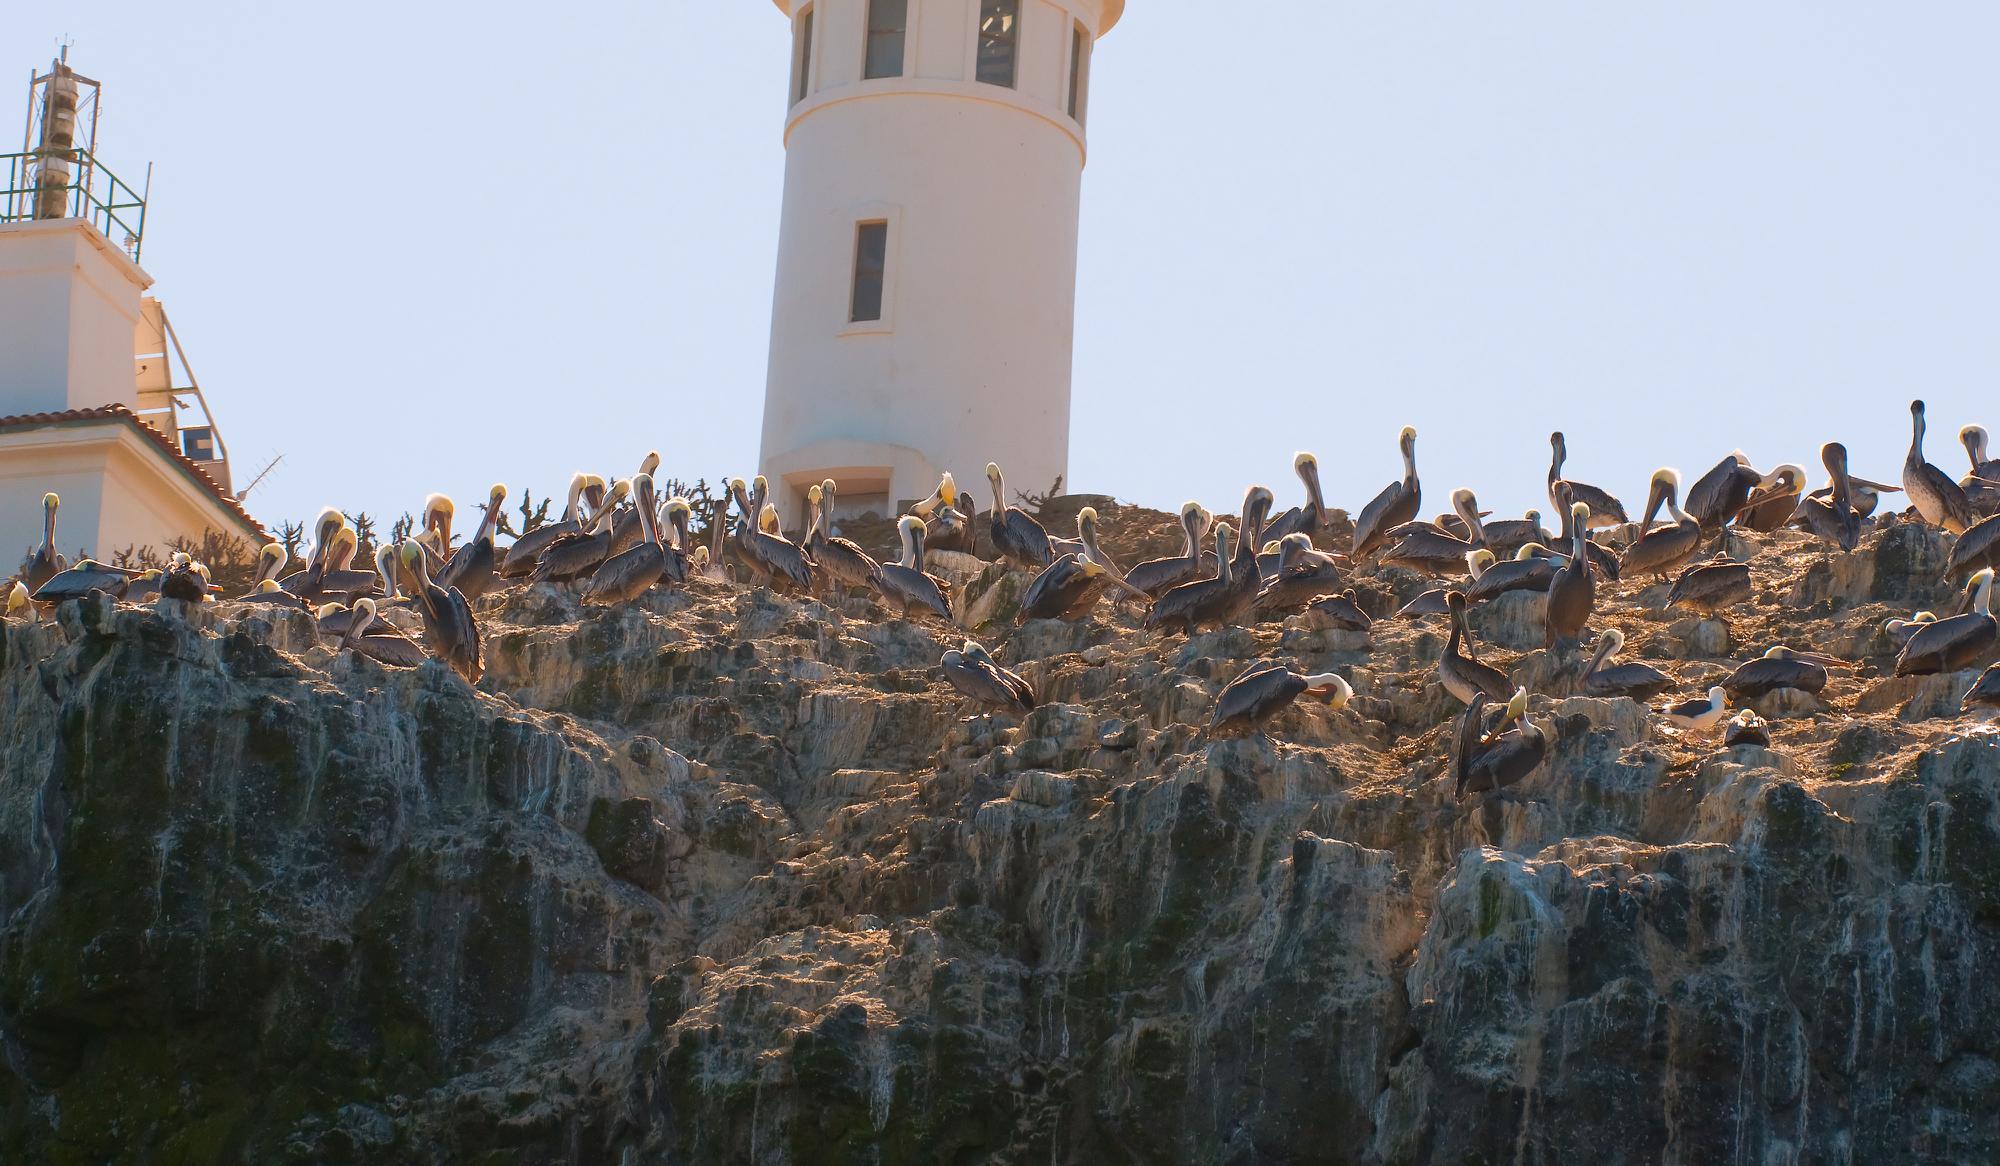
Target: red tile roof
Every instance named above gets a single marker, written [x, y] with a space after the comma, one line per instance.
[117, 412]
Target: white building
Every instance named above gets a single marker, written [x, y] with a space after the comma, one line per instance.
[90, 406]
[926, 285]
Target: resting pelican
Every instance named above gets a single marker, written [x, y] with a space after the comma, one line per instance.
[634, 571]
[946, 494]
[521, 557]
[842, 564]
[905, 585]
[377, 641]
[450, 632]
[1899, 631]
[184, 579]
[1486, 760]
[1302, 576]
[1394, 506]
[1949, 645]
[1573, 589]
[1832, 517]
[776, 561]
[1976, 548]
[1637, 681]
[1697, 715]
[1071, 585]
[1746, 728]
[43, 563]
[1604, 509]
[1712, 587]
[1719, 495]
[1781, 667]
[326, 527]
[951, 528]
[1306, 519]
[1018, 538]
[270, 562]
[1659, 551]
[1532, 568]
[1773, 505]
[470, 568]
[1343, 612]
[1462, 676]
[980, 678]
[1937, 498]
[1508, 535]
[338, 576]
[1201, 602]
[1156, 576]
[625, 529]
[1265, 689]
[1982, 483]
[1984, 695]
[1428, 546]
[578, 554]
[83, 577]
[434, 528]
[715, 567]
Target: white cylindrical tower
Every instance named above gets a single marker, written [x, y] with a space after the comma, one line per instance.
[926, 287]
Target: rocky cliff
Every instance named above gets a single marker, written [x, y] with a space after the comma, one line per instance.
[726, 877]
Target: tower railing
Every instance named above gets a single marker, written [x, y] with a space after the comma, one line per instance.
[91, 192]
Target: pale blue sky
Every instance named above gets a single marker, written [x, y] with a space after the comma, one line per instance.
[426, 246]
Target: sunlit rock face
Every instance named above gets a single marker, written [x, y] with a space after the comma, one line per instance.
[727, 877]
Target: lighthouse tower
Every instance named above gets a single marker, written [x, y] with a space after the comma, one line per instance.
[926, 287]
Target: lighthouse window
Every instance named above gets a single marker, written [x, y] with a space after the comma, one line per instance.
[999, 32]
[802, 50]
[887, 20]
[1079, 72]
[871, 258]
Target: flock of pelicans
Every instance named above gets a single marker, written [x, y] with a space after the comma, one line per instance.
[617, 540]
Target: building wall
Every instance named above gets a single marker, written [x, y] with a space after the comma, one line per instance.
[981, 186]
[117, 492]
[69, 305]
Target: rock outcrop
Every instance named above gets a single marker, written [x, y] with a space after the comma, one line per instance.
[727, 877]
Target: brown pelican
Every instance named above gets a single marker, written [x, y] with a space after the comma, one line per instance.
[1264, 690]
[521, 557]
[366, 634]
[946, 494]
[1778, 668]
[1637, 681]
[470, 568]
[1508, 535]
[326, 527]
[1604, 509]
[1307, 519]
[80, 579]
[1984, 693]
[1343, 612]
[1156, 576]
[1603, 560]
[184, 579]
[1899, 631]
[270, 594]
[1428, 546]
[1832, 517]
[952, 528]
[1572, 589]
[450, 632]
[1394, 506]
[1950, 645]
[1245, 576]
[337, 574]
[1071, 585]
[1302, 576]
[1531, 569]
[1746, 728]
[1462, 676]
[1017, 537]
[1712, 587]
[1719, 495]
[1772, 506]
[632, 572]
[44, 562]
[905, 585]
[1697, 715]
[1977, 547]
[1201, 602]
[777, 562]
[1486, 760]
[1982, 484]
[434, 528]
[976, 675]
[842, 564]
[18, 603]
[1659, 551]
[270, 562]
[1941, 501]
[715, 566]
[575, 555]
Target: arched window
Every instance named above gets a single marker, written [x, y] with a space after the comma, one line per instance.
[999, 38]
